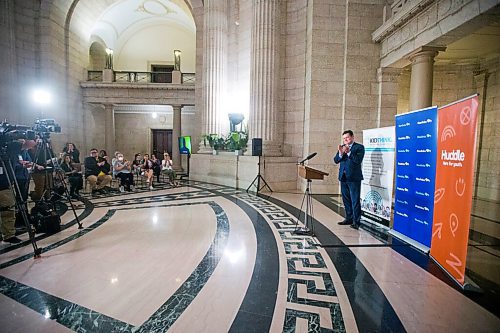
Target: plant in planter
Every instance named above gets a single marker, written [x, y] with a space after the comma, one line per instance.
[237, 141]
[215, 141]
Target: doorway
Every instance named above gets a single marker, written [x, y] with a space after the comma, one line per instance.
[161, 73]
[162, 142]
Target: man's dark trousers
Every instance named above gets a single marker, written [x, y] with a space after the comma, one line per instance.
[350, 197]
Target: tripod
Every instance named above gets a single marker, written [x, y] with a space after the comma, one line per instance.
[20, 203]
[44, 148]
[308, 228]
[257, 179]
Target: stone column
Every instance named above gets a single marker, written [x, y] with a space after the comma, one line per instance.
[388, 89]
[214, 75]
[422, 74]
[176, 133]
[109, 130]
[264, 76]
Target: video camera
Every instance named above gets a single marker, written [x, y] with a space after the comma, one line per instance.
[46, 126]
[9, 133]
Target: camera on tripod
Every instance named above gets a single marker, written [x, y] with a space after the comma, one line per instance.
[46, 126]
[10, 134]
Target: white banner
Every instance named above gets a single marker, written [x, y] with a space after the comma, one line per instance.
[378, 173]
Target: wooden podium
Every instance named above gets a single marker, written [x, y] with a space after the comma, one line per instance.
[309, 174]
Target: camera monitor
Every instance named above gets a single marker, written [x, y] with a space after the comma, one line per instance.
[185, 145]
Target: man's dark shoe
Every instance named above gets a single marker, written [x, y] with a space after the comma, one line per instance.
[355, 226]
[345, 222]
[13, 240]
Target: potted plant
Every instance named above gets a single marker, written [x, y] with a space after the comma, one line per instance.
[237, 141]
[215, 141]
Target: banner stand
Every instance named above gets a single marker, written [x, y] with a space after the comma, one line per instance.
[406, 239]
[374, 225]
[469, 285]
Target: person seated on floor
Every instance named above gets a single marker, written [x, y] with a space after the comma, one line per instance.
[71, 150]
[166, 169]
[123, 171]
[156, 167]
[74, 177]
[95, 173]
[147, 169]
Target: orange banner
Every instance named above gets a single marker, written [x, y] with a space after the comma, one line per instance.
[454, 185]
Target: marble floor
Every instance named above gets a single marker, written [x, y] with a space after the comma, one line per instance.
[208, 258]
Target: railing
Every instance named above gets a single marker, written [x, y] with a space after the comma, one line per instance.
[141, 77]
[94, 76]
[188, 78]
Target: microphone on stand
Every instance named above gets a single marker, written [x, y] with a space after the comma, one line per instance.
[308, 158]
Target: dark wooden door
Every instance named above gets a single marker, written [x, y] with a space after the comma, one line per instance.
[162, 142]
[161, 73]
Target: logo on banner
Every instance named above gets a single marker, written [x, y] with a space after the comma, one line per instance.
[448, 133]
[454, 178]
[465, 116]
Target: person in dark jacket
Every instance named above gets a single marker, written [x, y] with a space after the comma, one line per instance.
[70, 149]
[98, 179]
[350, 156]
[74, 178]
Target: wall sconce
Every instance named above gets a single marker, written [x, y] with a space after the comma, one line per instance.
[177, 60]
[109, 58]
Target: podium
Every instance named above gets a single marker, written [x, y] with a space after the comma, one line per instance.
[309, 174]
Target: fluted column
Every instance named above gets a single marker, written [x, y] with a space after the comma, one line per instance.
[176, 133]
[109, 132]
[214, 119]
[264, 76]
[422, 74]
[388, 88]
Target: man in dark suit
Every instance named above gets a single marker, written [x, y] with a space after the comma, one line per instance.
[350, 156]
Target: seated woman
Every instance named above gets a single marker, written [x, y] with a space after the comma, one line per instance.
[137, 164]
[156, 167]
[122, 170]
[74, 177]
[71, 150]
[147, 168]
[166, 169]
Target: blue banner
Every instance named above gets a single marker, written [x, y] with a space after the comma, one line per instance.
[416, 144]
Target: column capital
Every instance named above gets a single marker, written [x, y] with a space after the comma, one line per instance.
[424, 53]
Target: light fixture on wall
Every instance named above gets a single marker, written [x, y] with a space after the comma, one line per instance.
[154, 115]
[109, 58]
[177, 60]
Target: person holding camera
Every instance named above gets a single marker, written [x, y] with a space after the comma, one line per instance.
[95, 173]
[122, 169]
